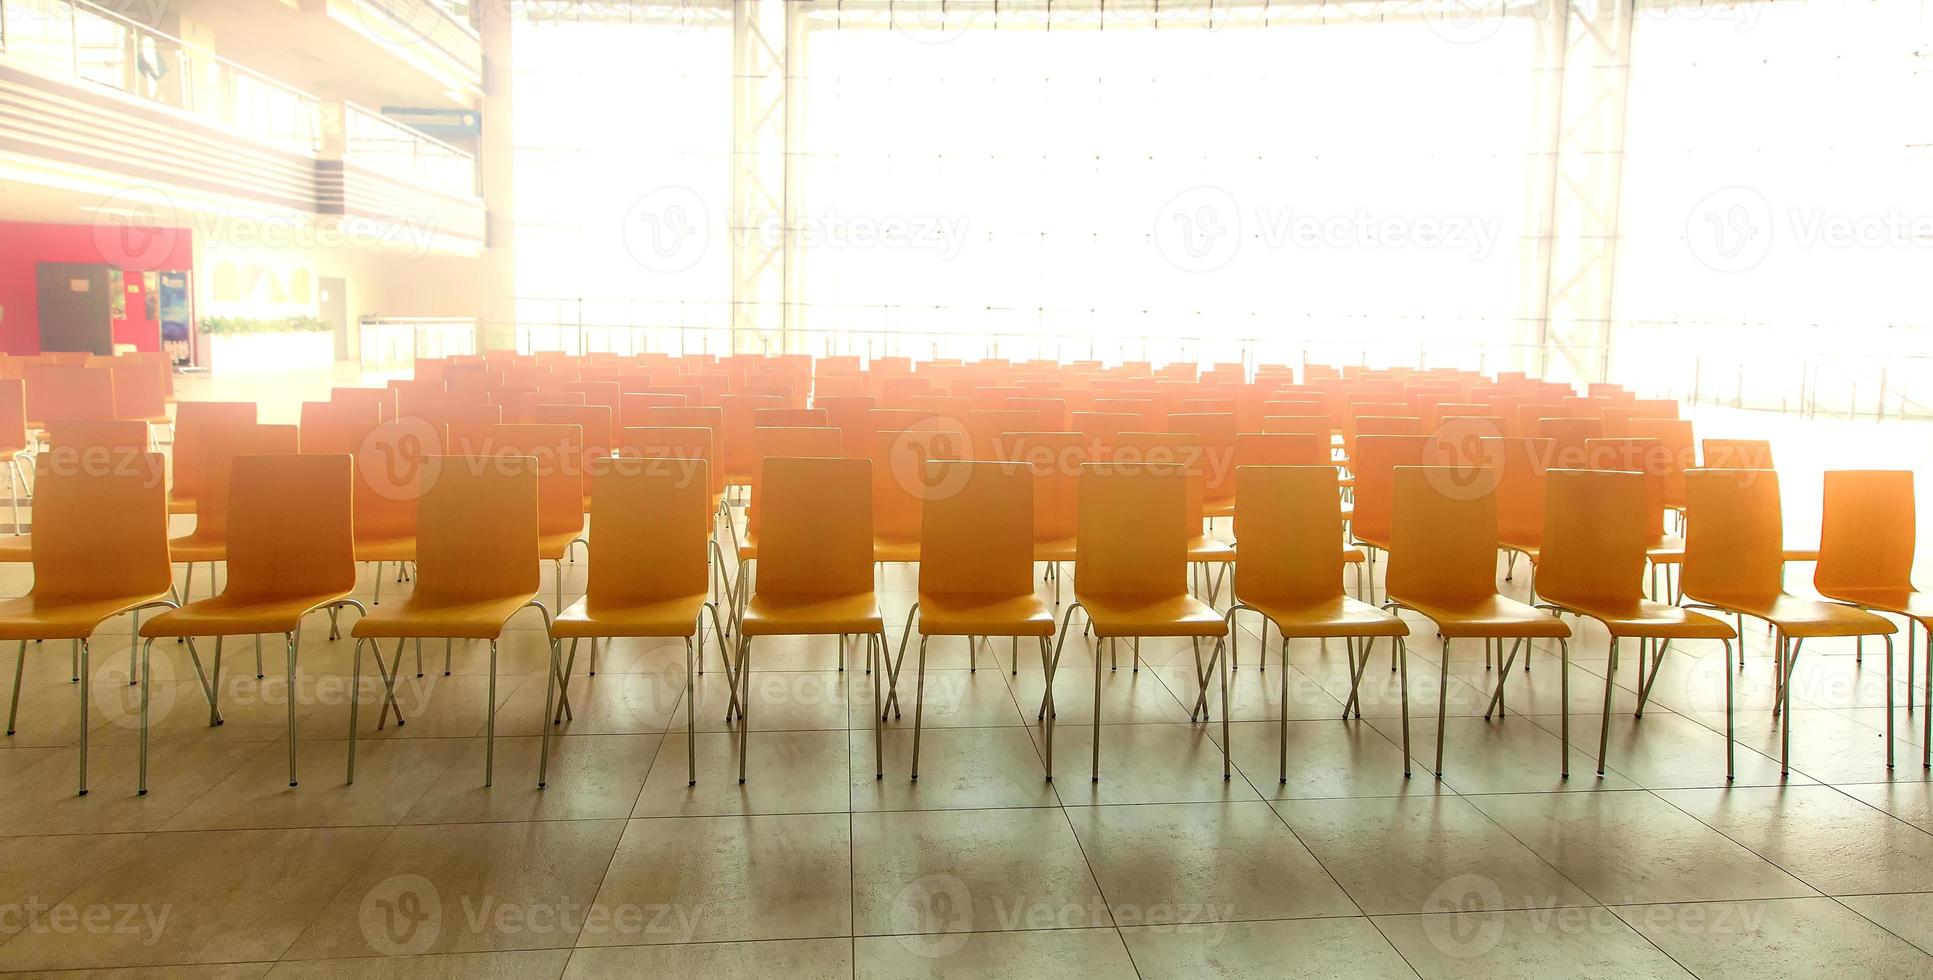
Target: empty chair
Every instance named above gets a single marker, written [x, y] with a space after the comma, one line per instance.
[1567, 438]
[290, 553]
[13, 439]
[191, 419]
[815, 571]
[1132, 585]
[1443, 566]
[100, 550]
[1597, 526]
[648, 577]
[220, 446]
[1287, 569]
[1055, 459]
[560, 466]
[476, 563]
[383, 399]
[1377, 458]
[1866, 559]
[1215, 433]
[976, 570]
[1734, 563]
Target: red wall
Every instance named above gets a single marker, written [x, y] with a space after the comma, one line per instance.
[23, 246]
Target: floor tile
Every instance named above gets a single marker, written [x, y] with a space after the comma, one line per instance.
[971, 871]
[1282, 950]
[1831, 841]
[1812, 937]
[1532, 944]
[799, 959]
[1060, 954]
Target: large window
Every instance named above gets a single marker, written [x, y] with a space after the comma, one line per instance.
[1331, 188]
[623, 131]
[1777, 216]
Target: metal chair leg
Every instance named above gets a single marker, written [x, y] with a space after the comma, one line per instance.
[490, 721]
[141, 782]
[86, 685]
[294, 638]
[19, 669]
[1604, 725]
[1403, 679]
[691, 706]
[355, 700]
[550, 697]
[744, 699]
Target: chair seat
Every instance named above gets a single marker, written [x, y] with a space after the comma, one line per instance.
[1666, 549]
[193, 547]
[748, 547]
[1340, 616]
[1353, 556]
[16, 547]
[1055, 549]
[972, 615]
[1379, 545]
[1644, 619]
[1801, 554]
[594, 616]
[896, 549]
[461, 617]
[33, 617]
[1900, 602]
[1179, 615]
[1798, 618]
[180, 505]
[1218, 508]
[768, 615]
[1487, 616]
[385, 549]
[231, 615]
[1204, 549]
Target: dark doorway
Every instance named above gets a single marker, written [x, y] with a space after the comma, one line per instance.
[75, 307]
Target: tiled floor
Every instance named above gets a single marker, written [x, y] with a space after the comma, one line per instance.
[813, 868]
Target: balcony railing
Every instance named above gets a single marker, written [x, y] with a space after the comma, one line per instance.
[389, 343]
[78, 40]
[392, 148]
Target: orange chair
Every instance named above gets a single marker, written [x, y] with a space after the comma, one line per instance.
[648, 576]
[191, 419]
[1678, 456]
[140, 390]
[1645, 456]
[1287, 569]
[1216, 433]
[1443, 566]
[735, 449]
[1136, 584]
[1567, 437]
[985, 427]
[1185, 450]
[848, 414]
[290, 552]
[100, 550]
[13, 439]
[220, 446]
[778, 418]
[899, 469]
[1735, 563]
[595, 428]
[635, 408]
[1103, 431]
[476, 560]
[1738, 454]
[815, 571]
[389, 478]
[1375, 463]
[336, 427]
[976, 570]
[682, 443]
[797, 443]
[1597, 525]
[1056, 459]
[1520, 465]
[1866, 560]
[559, 452]
[70, 390]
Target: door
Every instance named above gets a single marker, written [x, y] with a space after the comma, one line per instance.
[334, 299]
[76, 307]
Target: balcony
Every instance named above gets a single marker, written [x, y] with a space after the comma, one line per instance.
[435, 37]
[95, 103]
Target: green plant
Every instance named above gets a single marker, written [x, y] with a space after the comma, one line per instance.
[231, 325]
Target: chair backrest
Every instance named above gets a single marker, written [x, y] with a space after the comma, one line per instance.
[114, 436]
[337, 427]
[559, 454]
[439, 416]
[1738, 454]
[735, 446]
[776, 443]
[1866, 532]
[899, 478]
[652, 524]
[1734, 534]
[635, 407]
[1642, 456]
[390, 469]
[1458, 441]
[1216, 432]
[1443, 535]
[1056, 459]
[1103, 430]
[220, 447]
[68, 391]
[1286, 529]
[140, 388]
[977, 533]
[776, 418]
[191, 420]
[1680, 453]
[1520, 466]
[1177, 449]
[848, 414]
[1052, 411]
[669, 442]
[13, 414]
[817, 537]
[1313, 425]
[477, 528]
[691, 416]
[383, 398]
[1389, 425]
[1594, 539]
[1567, 437]
[1374, 466]
[101, 531]
[291, 529]
[1133, 537]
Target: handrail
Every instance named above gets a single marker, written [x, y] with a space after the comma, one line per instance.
[137, 64]
[390, 342]
[428, 160]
